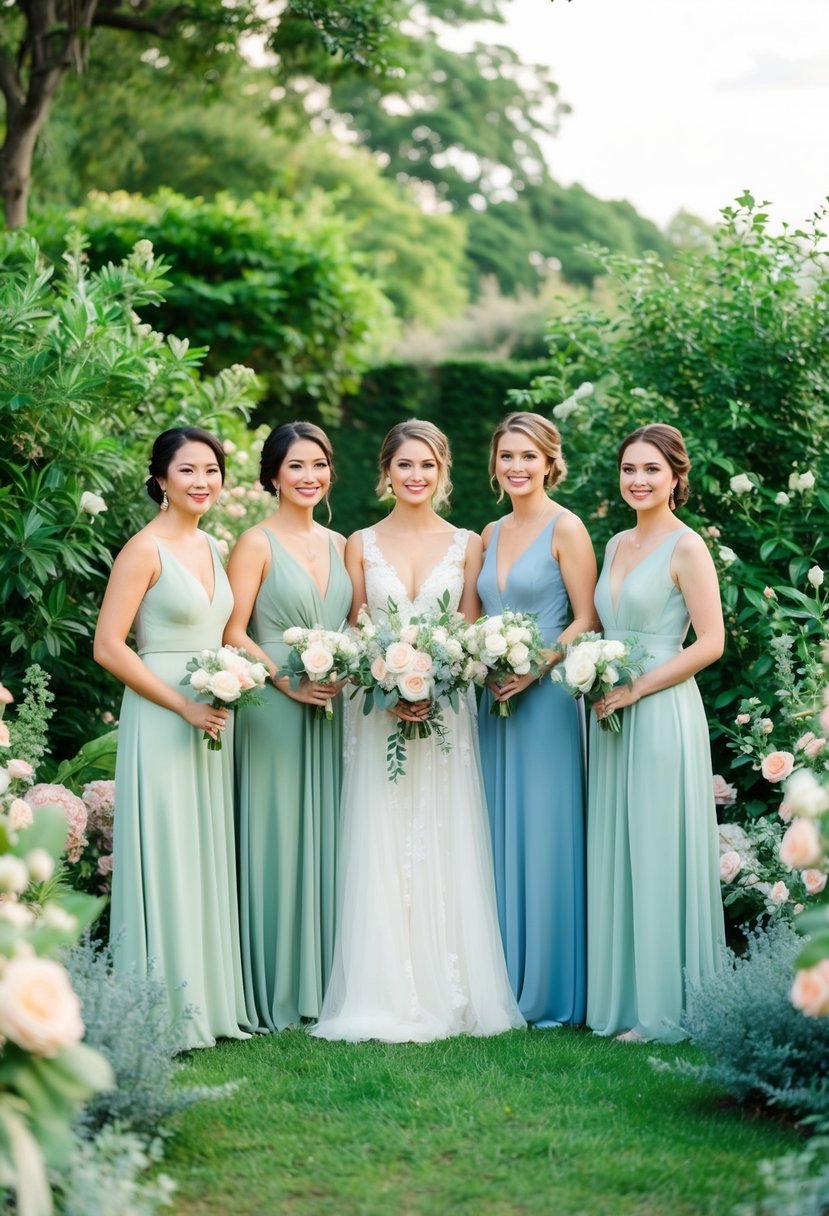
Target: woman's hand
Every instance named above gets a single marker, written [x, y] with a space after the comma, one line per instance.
[618, 698]
[205, 717]
[511, 686]
[411, 711]
[311, 692]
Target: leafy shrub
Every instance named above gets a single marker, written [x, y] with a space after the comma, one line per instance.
[104, 1177]
[757, 1045]
[796, 1184]
[127, 1020]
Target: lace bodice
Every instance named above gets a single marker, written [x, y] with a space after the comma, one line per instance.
[384, 583]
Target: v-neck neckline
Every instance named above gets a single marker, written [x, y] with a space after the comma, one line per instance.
[322, 594]
[614, 603]
[503, 590]
[391, 566]
[209, 595]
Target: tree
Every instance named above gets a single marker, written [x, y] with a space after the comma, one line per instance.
[42, 40]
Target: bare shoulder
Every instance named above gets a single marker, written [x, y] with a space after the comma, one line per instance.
[253, 540]
[354, 544]
[474, 545]
[338, 540]
[487, 534]
[692, 547]
[140, 550]
[570, 526]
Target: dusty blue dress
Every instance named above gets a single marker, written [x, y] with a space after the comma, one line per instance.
[533, 764]
[655, 914]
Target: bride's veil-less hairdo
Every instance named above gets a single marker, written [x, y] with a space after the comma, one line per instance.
[428, 433]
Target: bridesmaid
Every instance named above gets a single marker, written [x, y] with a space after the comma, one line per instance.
[655, 917]
[288, 571]
[537, 559]
[174, 906]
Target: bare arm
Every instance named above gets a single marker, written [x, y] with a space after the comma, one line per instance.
[135, 569]
[249, 563]
[354, 566]
[470, 604]
[693, 571]
[573, 550]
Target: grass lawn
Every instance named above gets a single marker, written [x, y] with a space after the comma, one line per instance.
[552, 1121]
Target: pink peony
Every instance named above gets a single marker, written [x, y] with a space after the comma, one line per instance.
[813, 880]
[724, 794]
[72, 807]
[810, 990]
[800, 847]
[777, 766]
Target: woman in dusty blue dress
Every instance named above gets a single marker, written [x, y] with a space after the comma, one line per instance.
[288, 571]
[174, 906]
[537, 559]
[655, 915]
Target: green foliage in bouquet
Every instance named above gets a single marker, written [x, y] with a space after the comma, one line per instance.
[756, 1044]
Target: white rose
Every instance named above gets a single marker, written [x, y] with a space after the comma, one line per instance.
[495, 645]
[200, 679]
[514, 634]
[408, 633]
[518, 655]
[16, 914]
[399, 657]
[439, 636]
[815, 576]
[806, 481]
[14, 877]
[317, 661]
[805, 797]
[612, 649]
[782, 499]
[422, 662]
[741, 484]
[454, 649]
[610, 676]
[293, 635]
[231, 661]
[258, 673]
[414, 686]
[40, 865]
[579, 671]
[730, 865]
[38, 1009]
[727, 556]
[492, 624]
[225, 685]
[93, 504]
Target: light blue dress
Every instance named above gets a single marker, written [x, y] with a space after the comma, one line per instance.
[655, 913]
[533, 765]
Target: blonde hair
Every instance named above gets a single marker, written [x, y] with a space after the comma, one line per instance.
[669, 441]
[428, 433]
[546, 437]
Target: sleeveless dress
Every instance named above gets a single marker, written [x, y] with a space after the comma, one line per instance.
[654, 910]
[533, 765]
[174, 908]
[288, 778]
[418, 954]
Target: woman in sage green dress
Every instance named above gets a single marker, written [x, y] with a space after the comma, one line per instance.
[174, 904]
[655, 919]
[288, 571]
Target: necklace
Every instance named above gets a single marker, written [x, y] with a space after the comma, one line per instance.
[637, 544]
[306, 542]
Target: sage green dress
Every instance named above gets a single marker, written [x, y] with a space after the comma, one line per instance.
[654, 912]
[288, 778]
[174, 903]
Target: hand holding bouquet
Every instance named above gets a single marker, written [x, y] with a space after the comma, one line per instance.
[507, 645]
[423, 659]
[324, 656]
[592, 666]
[230, 677]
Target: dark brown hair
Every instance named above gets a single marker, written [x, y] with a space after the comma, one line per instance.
[165, 448]
[668, 440]
[279, 443]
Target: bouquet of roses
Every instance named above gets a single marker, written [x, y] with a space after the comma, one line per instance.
[422, 659]
[592, 666]
[502, 646]
[323, 655]
[230, 677]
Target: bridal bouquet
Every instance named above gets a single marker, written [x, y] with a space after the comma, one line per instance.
[323, 655]
[423, 659]
[507, 645]
[230, 677]
[592, 666]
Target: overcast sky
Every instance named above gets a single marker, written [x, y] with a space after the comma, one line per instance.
[684, 103]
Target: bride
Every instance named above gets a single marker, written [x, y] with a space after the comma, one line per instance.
[418, 952]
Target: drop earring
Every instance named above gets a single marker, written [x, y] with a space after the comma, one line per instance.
[671, 500]
[165, 502]
[276, 494]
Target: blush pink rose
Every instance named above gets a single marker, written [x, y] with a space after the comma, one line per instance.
[803, 740]
[316, 660]
[800, 847]
[724, 794]
[777, 766]
[19, 770]
[814, 747]
[813, 880]
[38, 1009]
[399, 657]
[779, 893]
[743, 719]
[810, 990]
[5, 696]
[4, 735]
[730, 865]
[414, 686]
[379, 671]
[20, 814]
[422, 662]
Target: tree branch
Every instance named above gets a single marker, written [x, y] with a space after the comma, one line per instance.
[163, 25]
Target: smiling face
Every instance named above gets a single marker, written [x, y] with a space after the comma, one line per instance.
[414, 472]
[193, 480]
[304, 477]
[645, 477]
[520, 465]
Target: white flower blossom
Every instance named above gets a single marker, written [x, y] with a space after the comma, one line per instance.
[727, 556]
[741, 484]
[815, 576]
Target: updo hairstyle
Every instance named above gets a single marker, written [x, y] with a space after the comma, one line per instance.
[668, 440]
[279, 443]
[428, 433]
[546, 437]
[165, 448]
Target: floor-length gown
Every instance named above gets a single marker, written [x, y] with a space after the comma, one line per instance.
[174, 905]
[533, 765]
[655, 918]
[288, 779]
[418, 954]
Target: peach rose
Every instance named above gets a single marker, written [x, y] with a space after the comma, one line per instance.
[19, 770]
[20, 814]
[224, 685]
[814, 747]
[730, 865]
[810, 990]
[4, 735]
[399, 657]
[743, 719]
[379, 670]
[316, 660]
[805, 795]
[414, 686]
[779, 893]
[813, 880]
[777, 766]
[38, 1009]
[422, 662]
[724, 794]
[5, 696]
[800, 847]
[408, 633]
[803, 740]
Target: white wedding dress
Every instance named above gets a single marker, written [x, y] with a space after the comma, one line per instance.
[418, 952]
